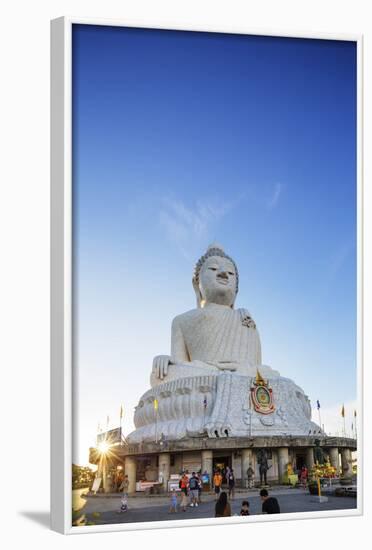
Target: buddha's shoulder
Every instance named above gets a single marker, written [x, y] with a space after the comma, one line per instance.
[189, 316]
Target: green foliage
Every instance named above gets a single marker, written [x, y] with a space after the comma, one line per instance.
[82, 476]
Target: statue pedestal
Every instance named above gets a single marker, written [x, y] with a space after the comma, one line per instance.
[219, 405]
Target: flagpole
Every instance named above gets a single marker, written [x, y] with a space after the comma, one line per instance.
[204, 408]
[343, 417]
[320, 420]
[355, 422]
[121, 429]
[156, 404]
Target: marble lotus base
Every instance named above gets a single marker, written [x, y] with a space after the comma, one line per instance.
[212, 404]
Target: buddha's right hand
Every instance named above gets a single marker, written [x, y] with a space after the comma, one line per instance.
[160, 366]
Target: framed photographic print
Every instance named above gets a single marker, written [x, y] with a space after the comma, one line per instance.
[206, 276]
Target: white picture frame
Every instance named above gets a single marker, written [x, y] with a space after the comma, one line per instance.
[61, 275]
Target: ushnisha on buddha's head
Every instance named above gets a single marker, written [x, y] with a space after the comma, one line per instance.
[216, 278]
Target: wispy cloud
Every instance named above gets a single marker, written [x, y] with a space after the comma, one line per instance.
[190, 225]
[338, 258]
[274, 199]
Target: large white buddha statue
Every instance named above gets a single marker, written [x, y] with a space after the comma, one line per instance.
[213, 382]
[214, 336]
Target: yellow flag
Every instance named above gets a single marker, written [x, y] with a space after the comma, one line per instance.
[156, 404]
[343, 411]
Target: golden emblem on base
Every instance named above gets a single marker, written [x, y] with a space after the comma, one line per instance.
[262, 395]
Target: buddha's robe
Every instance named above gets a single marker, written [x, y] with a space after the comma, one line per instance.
[215, 335]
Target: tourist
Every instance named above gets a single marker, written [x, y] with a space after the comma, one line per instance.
[250, 475]
[184, 500]
[194, 489]
[223, 508]
[124, 486]
[303, 476]
[217, 482]
[270, 505]
[184, 483]
[226, 475]
[123, 504]
[173, 502]
[231, 484]
[244, 511]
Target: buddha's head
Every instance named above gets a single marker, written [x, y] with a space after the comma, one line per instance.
[216, 278]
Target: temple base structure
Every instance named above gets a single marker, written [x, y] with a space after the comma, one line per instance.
[220, 405]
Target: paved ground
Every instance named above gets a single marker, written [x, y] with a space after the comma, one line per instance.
[103, 510]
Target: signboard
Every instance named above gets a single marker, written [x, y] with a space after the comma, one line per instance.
[143, 485]
[173, 485]
[112, 436]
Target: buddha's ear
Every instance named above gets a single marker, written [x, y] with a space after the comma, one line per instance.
[198, 295]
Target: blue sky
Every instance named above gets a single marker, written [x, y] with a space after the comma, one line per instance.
[181, 139]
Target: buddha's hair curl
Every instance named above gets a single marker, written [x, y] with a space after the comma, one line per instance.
[213, 251]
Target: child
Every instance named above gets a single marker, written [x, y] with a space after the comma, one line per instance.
[245, 508]
[173, 502]
[124, 504]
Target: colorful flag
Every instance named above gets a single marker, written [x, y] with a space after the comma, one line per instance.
[317, 404]
[156, 404]
[205, 402]
[343, 412]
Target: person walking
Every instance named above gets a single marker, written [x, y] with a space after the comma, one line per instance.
[124, 485]
[231, 484]
[184, 501]
[223, 508]
[250, 475]
[303, 476]
[184, 484]
[194, 489]
[226, 475]
[270, 505]
[217, 482]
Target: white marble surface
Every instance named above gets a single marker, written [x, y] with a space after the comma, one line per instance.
[182, 412]
[215, 352]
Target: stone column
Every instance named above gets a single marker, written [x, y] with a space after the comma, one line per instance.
[346, 462]
[309, 458]
[282, 463]
[106, 480]
[334, 458]
[164, 469]
[247, 459]
[130, 469]
[207, 464]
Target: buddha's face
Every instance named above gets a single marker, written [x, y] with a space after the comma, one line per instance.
[217, 281]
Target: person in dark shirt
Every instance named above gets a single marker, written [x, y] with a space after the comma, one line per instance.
[245, 508]
[270, 505]
[223, 508]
